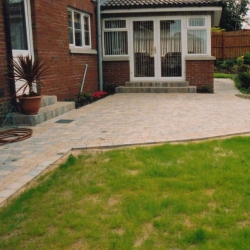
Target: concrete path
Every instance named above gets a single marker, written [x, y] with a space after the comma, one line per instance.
[124, 119]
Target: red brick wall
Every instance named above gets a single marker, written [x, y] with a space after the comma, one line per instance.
[4, 85]
[50, 36]
[116, 72]
[200, 74]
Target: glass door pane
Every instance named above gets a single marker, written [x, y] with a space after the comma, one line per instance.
[170, 45]
[18, 25]
[143, 49]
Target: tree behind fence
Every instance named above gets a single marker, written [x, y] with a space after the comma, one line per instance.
[226, 45]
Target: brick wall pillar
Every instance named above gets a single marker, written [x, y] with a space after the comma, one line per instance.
[199, 72]
[116, 72]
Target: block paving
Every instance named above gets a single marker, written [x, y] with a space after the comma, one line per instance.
[124, 120]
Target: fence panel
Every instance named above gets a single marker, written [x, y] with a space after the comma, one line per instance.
[226, 45]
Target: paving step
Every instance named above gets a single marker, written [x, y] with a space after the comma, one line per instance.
[122, 89]
[48, 100]
[45, 113]
[157, 84]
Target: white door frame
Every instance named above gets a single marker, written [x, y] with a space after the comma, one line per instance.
[157, 58]
[30, 50]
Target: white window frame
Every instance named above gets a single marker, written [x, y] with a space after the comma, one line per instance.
[82, 15]
[206, 27]
[113, 30]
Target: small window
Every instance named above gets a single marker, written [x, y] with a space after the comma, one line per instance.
[79, 29]
[115, 24]
[197, 22]
[115, 38]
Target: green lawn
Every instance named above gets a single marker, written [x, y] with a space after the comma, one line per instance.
[224, 75]
[180, 196]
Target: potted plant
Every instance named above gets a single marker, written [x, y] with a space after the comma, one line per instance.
[27, 70]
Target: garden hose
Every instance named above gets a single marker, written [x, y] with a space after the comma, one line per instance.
[14, 135]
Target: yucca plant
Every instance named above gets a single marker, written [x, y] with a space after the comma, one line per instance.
[28, 71]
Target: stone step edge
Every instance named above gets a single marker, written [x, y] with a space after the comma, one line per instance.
[153, 87]
[174, 90]
[150, 84]
[48, 100]
[44, 114]
[158, 82]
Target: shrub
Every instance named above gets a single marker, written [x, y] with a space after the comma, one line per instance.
[244, 78]
[217, 29]
[99, 94]
[83, 98]
[247, 58]
[240, 60]
[231, 62]
[225, 66]
[243, 68]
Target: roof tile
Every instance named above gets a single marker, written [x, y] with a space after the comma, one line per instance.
[117, 3]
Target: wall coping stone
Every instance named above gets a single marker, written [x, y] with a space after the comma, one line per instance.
[82, 51]
[200, 58]
[116, 58]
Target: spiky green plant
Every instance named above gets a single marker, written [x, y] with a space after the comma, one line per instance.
[28, 71]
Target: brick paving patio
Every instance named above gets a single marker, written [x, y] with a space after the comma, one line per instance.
[122, 120]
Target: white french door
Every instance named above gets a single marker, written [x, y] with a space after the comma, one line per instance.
[157, 49]
[20, 28]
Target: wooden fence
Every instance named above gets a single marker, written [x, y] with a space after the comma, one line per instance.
[231, 44]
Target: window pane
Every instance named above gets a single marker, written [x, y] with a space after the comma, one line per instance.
[18, 25]
[196, 22]
[170, 37]
[70, 27]
[115, 24]
[86, 31]
[115, 43]
[78, 29]
[144, 52]
[78, 38]
[86, 23]
[197, 42]
[87, 38]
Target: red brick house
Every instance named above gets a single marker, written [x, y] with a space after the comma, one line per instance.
[155, 41]
[142, 41]
[61, 31]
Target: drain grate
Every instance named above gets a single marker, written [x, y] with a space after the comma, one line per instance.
[64, 121]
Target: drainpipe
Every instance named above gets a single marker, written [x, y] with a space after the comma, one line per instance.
[9, 58]
[99, 44]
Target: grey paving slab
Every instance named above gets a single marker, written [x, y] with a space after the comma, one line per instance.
[123, 120]
[7, 193]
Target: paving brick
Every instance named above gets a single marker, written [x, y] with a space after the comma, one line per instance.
[16, 185]
[25, 178]
[6, 193]
[123, 120]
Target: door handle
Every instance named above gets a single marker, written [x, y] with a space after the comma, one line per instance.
[153, 51]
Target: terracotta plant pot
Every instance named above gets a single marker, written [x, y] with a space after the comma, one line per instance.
[30, 105]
